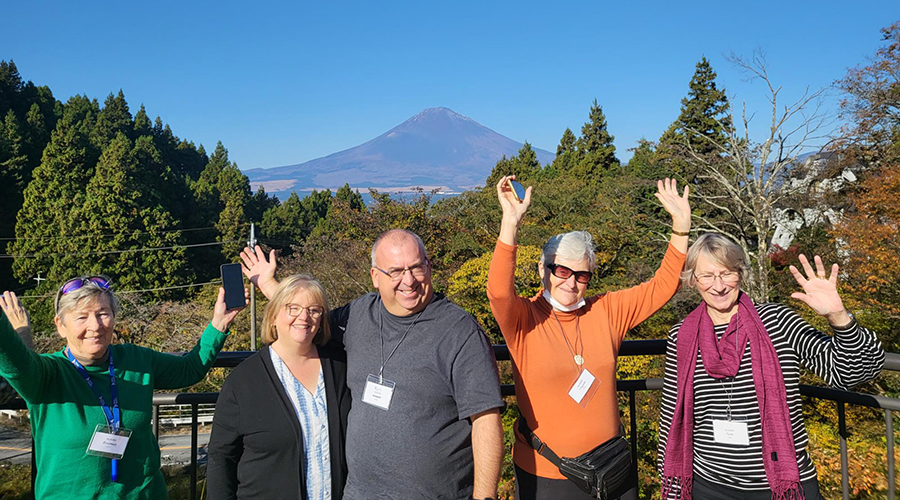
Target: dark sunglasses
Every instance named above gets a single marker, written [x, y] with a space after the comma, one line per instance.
[77, 283]
[563, 273]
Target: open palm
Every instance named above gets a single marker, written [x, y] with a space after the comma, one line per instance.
[677, 205]
[819, 291]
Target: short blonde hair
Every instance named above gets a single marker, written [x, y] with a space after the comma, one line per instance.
[283, 294]
[718, 249]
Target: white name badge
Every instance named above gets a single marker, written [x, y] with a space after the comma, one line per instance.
[731, 432]
[108, 442]
[582, 386]
[378, 392]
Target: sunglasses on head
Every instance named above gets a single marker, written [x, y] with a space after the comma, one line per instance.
[563, 273]
[77, 283]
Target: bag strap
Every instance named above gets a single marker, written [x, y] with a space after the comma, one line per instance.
[543, 450]
[536, 443]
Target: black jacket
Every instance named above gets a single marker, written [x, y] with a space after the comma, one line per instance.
[256, 446]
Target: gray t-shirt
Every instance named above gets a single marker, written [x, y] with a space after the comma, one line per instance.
[444, 371]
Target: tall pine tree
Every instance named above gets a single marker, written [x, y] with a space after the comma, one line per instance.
[47, 224]
[566, 153]
[116, 205]
[524, 166]
[596, 152]
[703, 128]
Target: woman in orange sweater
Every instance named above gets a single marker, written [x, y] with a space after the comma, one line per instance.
[564, 345]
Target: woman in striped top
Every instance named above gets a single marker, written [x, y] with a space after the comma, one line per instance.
[281, 417]
[731, 424]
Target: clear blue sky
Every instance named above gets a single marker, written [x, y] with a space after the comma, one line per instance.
[284, 82]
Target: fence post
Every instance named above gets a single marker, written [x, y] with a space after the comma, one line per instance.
[889, 439]
[845, 465]
[632, 405]
[194, 451]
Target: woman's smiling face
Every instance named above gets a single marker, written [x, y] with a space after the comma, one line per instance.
[721, 297]
[88, 329]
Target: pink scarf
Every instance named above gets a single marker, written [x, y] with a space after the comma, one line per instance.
[722, 358]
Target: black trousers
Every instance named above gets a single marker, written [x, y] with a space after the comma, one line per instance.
[531, 487]
[705, 490]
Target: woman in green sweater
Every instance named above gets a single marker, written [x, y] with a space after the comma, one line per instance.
[90, 404]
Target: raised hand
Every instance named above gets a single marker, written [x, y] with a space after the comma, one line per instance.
[513, 209]
[17, 316]
[256, 267]
[511, 205]
[222, 316]
[820, 291]
[677, 205]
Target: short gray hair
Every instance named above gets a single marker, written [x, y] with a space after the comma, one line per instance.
[575, 245]
[718, 249]
[89, 292]
[397, 235]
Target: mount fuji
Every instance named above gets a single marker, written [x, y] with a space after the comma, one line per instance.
[435, 149]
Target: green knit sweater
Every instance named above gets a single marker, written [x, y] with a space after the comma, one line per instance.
[64, 412]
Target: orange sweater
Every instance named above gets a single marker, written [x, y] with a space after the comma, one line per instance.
[543, 368]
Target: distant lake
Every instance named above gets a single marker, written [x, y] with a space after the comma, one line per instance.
[404, 196]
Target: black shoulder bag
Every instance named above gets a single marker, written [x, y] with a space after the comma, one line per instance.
[603, 472]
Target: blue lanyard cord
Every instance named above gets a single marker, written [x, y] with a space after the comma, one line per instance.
[113, 416]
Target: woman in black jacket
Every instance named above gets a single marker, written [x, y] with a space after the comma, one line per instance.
[280, 419]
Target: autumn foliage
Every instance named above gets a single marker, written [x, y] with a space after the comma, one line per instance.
[871, 238]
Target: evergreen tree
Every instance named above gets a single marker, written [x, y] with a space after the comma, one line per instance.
[315, 207]
[207, 201]
[259, 204]
[234, 198]
[596, 152]
[47, 221]
[566, 152]
[142, 125]
[36, 134]
[703, 127]
[281, 224]
[113, 118]
[116, 205]
[13, 165]
[524, 166]
[222, 199]
[162, 185]
[567, 143]
[353, 198]
[11, 85]
[645, 163]
[27, 114]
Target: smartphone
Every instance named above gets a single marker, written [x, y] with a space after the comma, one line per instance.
[233, 282]
[518, 189]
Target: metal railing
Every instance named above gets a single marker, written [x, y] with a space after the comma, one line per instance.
[231, 359]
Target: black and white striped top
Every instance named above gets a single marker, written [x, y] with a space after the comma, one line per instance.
[852, 356]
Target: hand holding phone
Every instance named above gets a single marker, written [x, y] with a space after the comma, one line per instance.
[517, 188]
[233, 283]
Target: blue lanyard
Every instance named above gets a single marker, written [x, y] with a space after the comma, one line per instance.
[113, 416]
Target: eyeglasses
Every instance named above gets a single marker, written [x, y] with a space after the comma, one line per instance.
[727, 277]
[562, 272]
[78, 283]
[314, 312]
[417, 272]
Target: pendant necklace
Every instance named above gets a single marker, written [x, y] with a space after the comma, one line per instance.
[576, 356]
